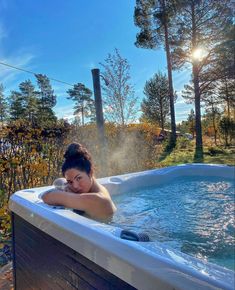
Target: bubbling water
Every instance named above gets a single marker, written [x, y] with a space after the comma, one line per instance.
[193, 214]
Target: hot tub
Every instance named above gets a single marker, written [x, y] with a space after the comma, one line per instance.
[55, 248]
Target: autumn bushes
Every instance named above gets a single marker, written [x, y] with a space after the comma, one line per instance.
[31, 156]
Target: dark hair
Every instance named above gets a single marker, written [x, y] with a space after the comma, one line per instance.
[77, 157]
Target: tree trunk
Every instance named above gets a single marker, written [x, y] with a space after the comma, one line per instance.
[227, 97]
[82, 113]
[121, 110]
[162, 124]
[214, 125]
[198, 126]
[169, 71]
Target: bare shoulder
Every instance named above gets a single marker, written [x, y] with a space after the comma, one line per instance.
[99, 188]
[104, 190]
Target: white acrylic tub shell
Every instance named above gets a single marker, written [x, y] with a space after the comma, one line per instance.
[144, 265]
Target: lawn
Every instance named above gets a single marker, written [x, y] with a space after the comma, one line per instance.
[184, 153]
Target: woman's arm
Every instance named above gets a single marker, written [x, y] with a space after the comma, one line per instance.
[97, 205]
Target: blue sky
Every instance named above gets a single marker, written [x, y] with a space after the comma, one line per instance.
[66, 39]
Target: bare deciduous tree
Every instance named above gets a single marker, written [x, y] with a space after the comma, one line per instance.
[119, 98]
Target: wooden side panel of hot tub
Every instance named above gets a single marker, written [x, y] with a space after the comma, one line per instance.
[42, 262]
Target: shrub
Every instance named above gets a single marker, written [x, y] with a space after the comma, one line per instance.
[182, 143]
[213, 150]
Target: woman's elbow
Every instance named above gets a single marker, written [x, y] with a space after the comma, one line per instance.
[109, 207]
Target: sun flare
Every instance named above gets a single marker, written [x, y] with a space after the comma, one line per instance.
[198, 54]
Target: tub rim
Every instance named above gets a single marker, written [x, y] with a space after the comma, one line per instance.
[179, 271]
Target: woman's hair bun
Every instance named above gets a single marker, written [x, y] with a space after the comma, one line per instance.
[76, 156]
[76, 150]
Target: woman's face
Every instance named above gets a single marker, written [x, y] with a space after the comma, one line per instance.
[78, 181]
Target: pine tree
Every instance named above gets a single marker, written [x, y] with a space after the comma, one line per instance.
[213, 112]
[226, 92]
[81, 95]
[47, 100]
[200, 29]
[16, 108]
[3, 105]
[191, 122]
[226, 127]
[224, 69]
[155, 106]
[155, 18]
[30, 101]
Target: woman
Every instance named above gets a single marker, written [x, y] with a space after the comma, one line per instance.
[82, 192]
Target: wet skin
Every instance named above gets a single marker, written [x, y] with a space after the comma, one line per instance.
[84, 193]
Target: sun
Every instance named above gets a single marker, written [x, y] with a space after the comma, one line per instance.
[198, 54]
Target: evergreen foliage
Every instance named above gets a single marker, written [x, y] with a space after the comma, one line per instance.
[155, 105]
[3, 105]
[226, 126]
[84, 104]
[191, 122]
[200, 25]
[155, 18]
[46, 100]
[30, 101]
[16, 108]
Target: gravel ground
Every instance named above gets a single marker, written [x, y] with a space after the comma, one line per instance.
[6, 277]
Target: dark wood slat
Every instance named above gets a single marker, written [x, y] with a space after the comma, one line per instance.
[42, 262]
